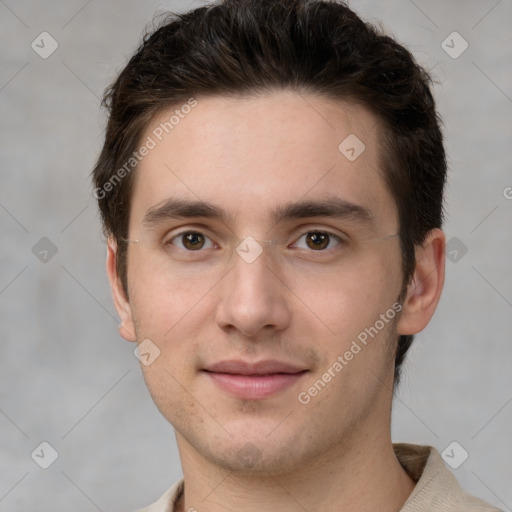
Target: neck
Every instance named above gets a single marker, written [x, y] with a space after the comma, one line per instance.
[355, 476]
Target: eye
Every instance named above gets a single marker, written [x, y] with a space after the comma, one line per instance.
[191, 241]
[318, 241]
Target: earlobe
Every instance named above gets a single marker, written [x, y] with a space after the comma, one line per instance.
[425, 287]
[121, 302]
[127, 334]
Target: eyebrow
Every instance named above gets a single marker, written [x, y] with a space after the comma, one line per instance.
[181, 208]
[333, 207]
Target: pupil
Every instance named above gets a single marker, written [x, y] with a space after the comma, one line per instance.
[193, 240]
[318, 240]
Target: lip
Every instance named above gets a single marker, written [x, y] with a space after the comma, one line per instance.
[264, 367]
[254, 381]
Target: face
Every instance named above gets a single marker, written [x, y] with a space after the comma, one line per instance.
[274, 349]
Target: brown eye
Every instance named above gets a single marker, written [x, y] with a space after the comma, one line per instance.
[317, 240]
[193, 241]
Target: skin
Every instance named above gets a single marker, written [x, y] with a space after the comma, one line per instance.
[248, 156]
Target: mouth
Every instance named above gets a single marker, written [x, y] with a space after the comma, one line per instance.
[254, 381]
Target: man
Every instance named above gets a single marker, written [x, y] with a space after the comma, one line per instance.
[271, 187]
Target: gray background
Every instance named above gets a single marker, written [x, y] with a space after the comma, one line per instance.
[68, 378]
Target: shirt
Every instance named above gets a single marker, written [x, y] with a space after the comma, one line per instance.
[436, 488]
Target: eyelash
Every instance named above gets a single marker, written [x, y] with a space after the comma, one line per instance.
[332, 236]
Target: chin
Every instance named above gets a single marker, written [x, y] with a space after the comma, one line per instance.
[252, 449]
[252, 459]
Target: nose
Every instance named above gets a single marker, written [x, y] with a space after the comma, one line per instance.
[253, 297]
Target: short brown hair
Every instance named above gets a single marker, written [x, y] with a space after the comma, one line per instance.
[237, 47]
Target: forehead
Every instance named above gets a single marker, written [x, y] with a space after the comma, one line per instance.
[251, 154]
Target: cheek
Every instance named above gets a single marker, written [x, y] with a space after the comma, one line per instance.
[171, 313]
[161, 297]
[348, 298]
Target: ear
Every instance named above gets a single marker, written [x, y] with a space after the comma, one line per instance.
[426, 284]
[121, 302]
